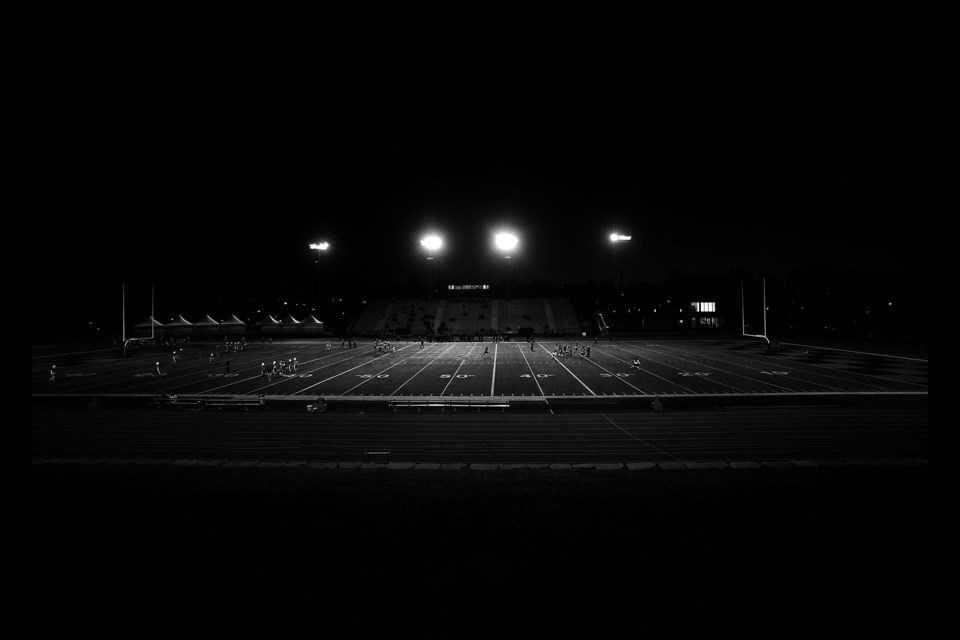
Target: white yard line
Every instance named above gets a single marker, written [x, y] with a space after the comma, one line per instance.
[493, 380]
[592, 392]
[339, 374]
[532, 374]
[453, 377]
[421, 370]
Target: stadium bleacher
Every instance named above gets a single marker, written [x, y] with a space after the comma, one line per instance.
[524, 314]
[467, 316]
[564, 316]
[411, 317]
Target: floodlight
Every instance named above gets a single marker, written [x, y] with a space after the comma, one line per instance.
[432, 243]
[506, 241]
[322, 246]
[619, 237]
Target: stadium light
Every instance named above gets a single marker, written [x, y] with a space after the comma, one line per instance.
[506, 242]
[616, 239]
[320, 247]
[431, 243]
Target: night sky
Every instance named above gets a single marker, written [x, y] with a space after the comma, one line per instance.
[217, 181]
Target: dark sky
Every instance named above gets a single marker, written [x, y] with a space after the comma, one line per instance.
[212, 179]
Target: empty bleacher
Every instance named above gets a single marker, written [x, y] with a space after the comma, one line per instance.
[467, 316]
[372, 318]
[564, 316]
[528, 313]
[411, 317]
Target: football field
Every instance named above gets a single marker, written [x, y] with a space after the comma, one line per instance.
[504, 371]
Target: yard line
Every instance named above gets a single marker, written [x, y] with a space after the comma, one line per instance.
[424, 367]
[462, 360]
[670, 382]
[494, 378]
[532, 374]
[865, 353]
[806, 369]
[753, 363]
[568, 371]
[362, 364]
[362, 382]
[726, 371]
[735, 389]
[254, 377]
[624, 380]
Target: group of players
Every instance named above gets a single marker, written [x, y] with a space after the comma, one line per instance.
[381, 347]
[281, 368]
[565, 350]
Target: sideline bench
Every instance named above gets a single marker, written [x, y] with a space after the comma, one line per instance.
[221, 403]
[450, 404]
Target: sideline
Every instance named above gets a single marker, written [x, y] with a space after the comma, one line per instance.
[863, 353]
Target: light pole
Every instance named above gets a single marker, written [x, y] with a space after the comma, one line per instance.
[320, 248]
[432, 243]
[506, 242]
[616, 239]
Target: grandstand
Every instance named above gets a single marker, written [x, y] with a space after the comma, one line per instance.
[406, 317]
[524, 316]
[467, 316]
[564, 318]
[373, 317]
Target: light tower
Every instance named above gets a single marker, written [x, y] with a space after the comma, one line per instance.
[320, 248]
[432, 243]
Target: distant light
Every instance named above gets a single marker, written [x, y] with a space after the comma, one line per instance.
[322, 246]
[432, 243]
[506, 241]
[619, 237]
